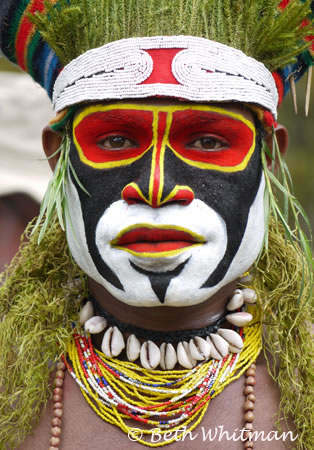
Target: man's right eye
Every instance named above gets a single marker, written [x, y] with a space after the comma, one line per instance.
[115, 142]
[208, 143]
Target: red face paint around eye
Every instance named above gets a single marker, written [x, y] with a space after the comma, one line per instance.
[206, 137]
[98, 135]
[228, 140]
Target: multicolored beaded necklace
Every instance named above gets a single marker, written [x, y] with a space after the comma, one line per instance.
[176, 400]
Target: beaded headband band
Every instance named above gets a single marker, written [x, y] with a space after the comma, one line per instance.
[183, 67]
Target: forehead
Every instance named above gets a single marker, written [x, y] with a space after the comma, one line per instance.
[230, 109]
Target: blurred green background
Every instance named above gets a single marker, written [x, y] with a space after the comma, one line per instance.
[300, 155]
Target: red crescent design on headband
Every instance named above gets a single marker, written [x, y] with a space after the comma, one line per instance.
[162, 66]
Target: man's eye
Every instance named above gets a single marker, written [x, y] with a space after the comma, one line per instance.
[115, 143]
[208, 143]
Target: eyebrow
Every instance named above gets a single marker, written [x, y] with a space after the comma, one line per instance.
[201, 118]
[118, 116]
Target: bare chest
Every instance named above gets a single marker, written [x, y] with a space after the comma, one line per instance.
[220, 428]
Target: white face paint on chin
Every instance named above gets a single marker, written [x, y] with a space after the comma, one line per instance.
[201, 259]
[184, 289]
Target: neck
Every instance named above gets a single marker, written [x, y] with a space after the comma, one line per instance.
[165, 318]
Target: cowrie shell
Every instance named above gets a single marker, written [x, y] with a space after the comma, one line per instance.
[187, 349]
[239, 319]
[113, 342]
[249, 295]
[95, 325]
[199, 348]
[221, 346]
[150, 355]
[86, 312]
[233, 338]
[133, 348]
[213, 352]
[236, 300]
[185, 359]
[168, 356]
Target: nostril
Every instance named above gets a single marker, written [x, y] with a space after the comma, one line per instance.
[134, 201]
[132, 194]
[180, 194]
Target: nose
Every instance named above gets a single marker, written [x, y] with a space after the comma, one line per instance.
[156, 187]
[132, 194]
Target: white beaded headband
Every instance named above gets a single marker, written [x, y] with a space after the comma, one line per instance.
[183, 67]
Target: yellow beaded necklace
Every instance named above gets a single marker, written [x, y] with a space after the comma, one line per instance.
[173, 401]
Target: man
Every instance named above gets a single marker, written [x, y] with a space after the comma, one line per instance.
[159, 181]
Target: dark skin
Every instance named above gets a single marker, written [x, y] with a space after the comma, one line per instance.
[83, 429]
[16, 211]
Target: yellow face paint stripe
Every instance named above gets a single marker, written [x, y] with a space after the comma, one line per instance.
[169, 109]
[153, 166]
[151, 226]
[137, 189]
[164, 108]
[109, 164]
[158, 160]
[209, 166]
[159, 254]
[201, 240]
[162, 159]
[174, 192]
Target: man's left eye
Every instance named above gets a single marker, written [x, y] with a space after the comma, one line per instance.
[208, 143]
[115, 143]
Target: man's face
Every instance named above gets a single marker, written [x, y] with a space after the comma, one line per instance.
[175, 209]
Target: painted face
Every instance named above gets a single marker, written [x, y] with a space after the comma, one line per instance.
[175, 209]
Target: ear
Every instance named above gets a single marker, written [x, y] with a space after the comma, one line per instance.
[51, 142]
[282, 140]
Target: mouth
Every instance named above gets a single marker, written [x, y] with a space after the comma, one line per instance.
[148, 240]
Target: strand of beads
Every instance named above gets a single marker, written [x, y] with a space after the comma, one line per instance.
[249, 405]
[119, 390]
[57, 408]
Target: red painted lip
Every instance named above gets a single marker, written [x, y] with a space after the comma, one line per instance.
[155, 240]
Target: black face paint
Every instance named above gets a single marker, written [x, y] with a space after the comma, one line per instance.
[160, 280]
[229, 194]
